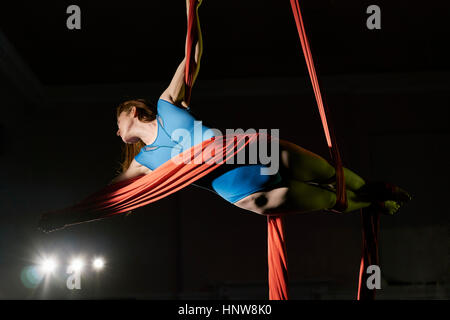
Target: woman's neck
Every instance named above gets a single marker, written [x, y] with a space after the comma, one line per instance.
[147, 131]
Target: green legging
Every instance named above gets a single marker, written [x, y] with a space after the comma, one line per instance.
[306, 166]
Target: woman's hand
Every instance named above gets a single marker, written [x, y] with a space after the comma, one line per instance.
[134, 170]
[52, 221]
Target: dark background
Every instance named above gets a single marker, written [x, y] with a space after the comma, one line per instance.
[388, 90]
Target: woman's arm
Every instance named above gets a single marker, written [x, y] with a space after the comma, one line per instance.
[175, 92]
[176, 89]
[50, 221]
[135, 169]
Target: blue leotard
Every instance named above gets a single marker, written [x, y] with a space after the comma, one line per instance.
[230, 181]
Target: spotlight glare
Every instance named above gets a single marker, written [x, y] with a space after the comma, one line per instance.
[48, 265]
[76, 265]
[98, 263]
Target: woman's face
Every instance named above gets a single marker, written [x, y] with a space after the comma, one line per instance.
[125, 122]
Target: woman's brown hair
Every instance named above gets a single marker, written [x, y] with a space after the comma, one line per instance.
[146, 112]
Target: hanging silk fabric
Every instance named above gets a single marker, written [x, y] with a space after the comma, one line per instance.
[194, 36]
[369, 217]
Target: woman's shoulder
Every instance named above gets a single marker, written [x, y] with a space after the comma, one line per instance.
[172, 114]
[165, 104]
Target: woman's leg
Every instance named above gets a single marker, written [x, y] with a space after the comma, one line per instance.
[301, 197]
[299, 168]
[304, 165]
[304, 197]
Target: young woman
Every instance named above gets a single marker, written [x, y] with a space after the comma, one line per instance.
[303, 183]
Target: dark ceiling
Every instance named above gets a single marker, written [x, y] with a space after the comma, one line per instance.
[143, 41]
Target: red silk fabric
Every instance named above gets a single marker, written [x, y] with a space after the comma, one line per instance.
[370, 221]
[193, 36]
[277, 258]
[341, 201]
[276, 242]
[370, 218]
[168, 178]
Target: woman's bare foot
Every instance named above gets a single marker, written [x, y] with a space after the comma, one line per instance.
[388, 207]
[383, 191]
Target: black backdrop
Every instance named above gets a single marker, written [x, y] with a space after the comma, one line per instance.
[388, 90]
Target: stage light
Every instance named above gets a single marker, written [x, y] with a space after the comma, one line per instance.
[76, 265]
[98, 263]
[48, 265]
